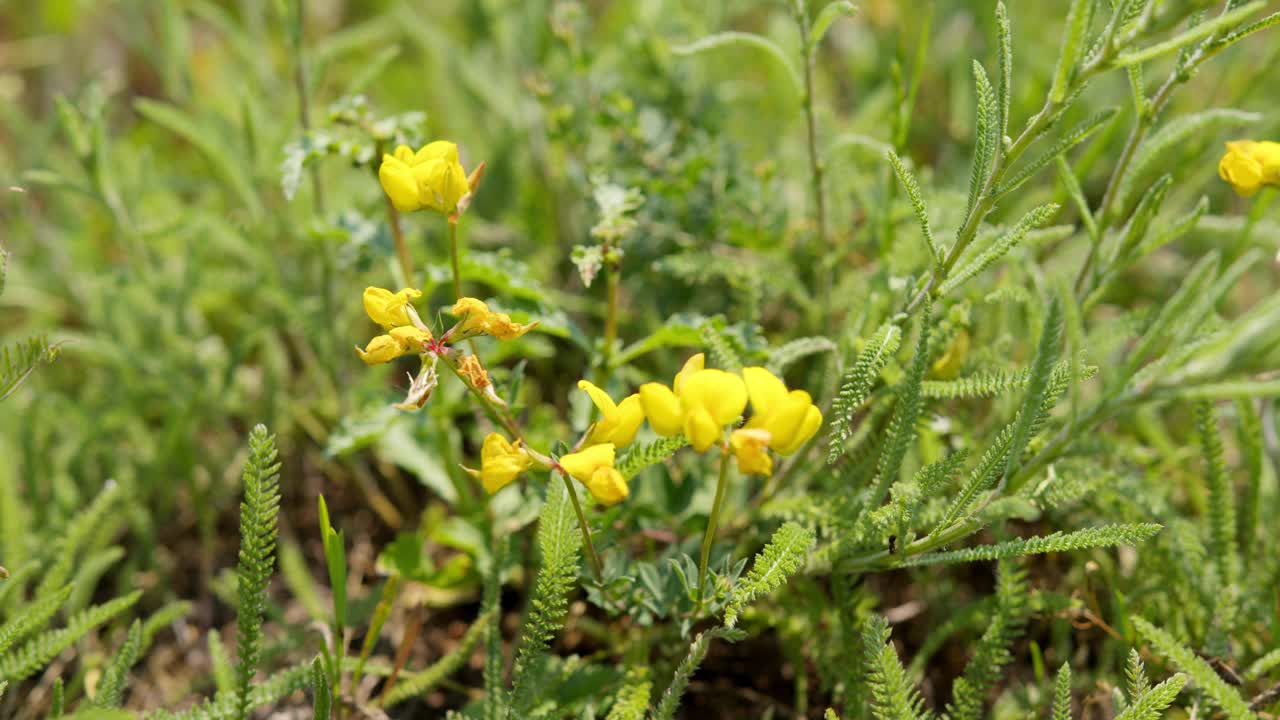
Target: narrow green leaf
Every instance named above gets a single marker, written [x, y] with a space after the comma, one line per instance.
[828, 15]
[908, 182]
[1195, 34]
[734, 39]
[1073, 36]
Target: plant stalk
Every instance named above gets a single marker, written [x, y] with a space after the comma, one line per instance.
[712, 524]
[611, 273]
[590, 547]
[402, 248]
[454, 259]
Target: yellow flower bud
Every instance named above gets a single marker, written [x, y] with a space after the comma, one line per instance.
[389, 309]
[431, 178]
[618, 423]
[593, 467]
[1249, 165]
[751, 448]
[501, 462]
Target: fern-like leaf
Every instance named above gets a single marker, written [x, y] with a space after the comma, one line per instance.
[670, 702]
[1222, 514]
[1151, 705]
[77, 535]
[1135, 673]
[902, 428]
[272, 690]
[908, 182]
[632, 701]
[1211, 684]
[38, 651]
[19, 360]
[642, 455]
[1062, 694]
[855, 386]
[558, 544]
[722, 353]
[1034, 218]
[984, 668]
[1105, 536]
[31, 619]
[782, 557]
[892, 695]
[116, 678]
[258, 512]
[787, 355]
[321, 694]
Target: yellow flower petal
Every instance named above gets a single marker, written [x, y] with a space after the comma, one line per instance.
[701, 429]
[723, 395]
[501, 462]
[501, 326]
[583, 464]
[389, 309]
[411, 338]
[1241, 168]
[404, 154]
[400, 184]
[806, 428]
[630, 417]
[662, 408]
[607, 486]
[691, 366]
[382, 349]
[473, 313]
[750, 447]
[765, 389]
[438, 150]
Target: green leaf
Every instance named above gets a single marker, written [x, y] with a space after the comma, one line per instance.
[1062, 694]
[1194, 34]
[258, 511]
[750, 41]
[642, 455]
[1151, 705]
[856, 385]
[787, 552]
[828, 15]
[335, 556]
[321, 695]
[908, 182]
[680, 330]
[1004, 91]
[783, 357]
[985, 139]
[1035, 218]
[1073, 36]
[225, 162]
[1105, 536]
[1077, 135]
[1222, 695]
[111, 689]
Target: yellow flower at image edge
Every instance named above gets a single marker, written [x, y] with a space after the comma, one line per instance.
[501, 462]
[399, 341]
[594, 468]
[619, 422]
[1248, 165]
[431, 178]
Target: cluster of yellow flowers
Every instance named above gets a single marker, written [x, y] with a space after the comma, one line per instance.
[407, 334]
[431, 178]
[1248, 165]
[699, 405]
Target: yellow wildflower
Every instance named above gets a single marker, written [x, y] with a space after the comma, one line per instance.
[501, 462]
[1248, 165]
[619, 422]
[703, 402]
[389, 309]
[593, 467]
[399, 341]
[751, 447]
[948, 366]
[790, 418]
[431, 178]
[476, 318]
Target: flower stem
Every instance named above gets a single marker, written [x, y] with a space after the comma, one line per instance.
[402, 248]
[611, 273]
[712, 523]
[596, 567]
[821, 246]
[453, 257]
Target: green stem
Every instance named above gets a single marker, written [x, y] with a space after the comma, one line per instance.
[712, 523]
[611, 277]
[596, 567]
[815, 163]
[453, 257]
[402, 248]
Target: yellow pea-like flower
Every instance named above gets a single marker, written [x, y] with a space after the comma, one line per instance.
[593, 467]
[618, 422]
[501, 462]
[790, 417]
[430, 178]
[399, 341]
[702, 403]
[751, 448]
[477, 318]
[389, 309]
[1249, 165]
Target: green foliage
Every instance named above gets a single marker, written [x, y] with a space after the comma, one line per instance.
[785, 554]
[1222, 695]
[558, 545]
[642, 455]
[1222, 513]
[258, 512]
[908, 182]
[992, 654]
[1151, 705]
[632, 701]
[416, 684]
[670, 701]
[1062, 694]
[321, 694]
[856, 385]
[116, 677]
[1035, 218]
[892, 695]
[28, 658]
[1105, 536]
